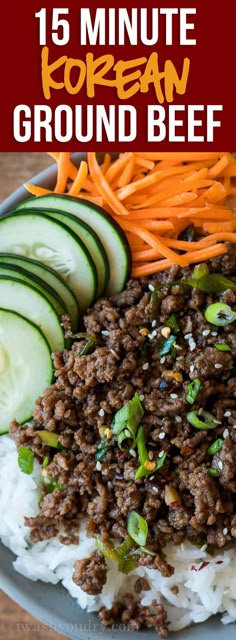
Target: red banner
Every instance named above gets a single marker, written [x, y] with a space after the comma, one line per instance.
[88, 77]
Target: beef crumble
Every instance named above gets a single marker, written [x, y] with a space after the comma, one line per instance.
[129, 331]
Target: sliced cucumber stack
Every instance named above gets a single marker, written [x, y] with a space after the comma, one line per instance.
[109, 232]
[91, 241]
[24, 299]
[40, 237]
[50, 278]
[37, 283]
[25, 368]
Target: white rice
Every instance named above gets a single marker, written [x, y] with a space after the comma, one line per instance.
[202, 592]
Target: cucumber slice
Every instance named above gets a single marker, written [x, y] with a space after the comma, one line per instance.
[40, 237]
[91, 241]
[27, 301]
[49, 277]
[110, 233]
[26, 368]
[37, 283]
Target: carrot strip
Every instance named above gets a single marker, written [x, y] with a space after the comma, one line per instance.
[117, 166]
[155, 242]
[72, 173]
[157, 225]
[162, 265]
[126, 175]
[37, 191]
[103, 186]
[219, 166]
[80, 179]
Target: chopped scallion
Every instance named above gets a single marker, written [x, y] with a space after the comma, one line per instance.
[213, 473]
[193, 390]
[128, 417]
[222, 347]
[220, 314]
[166, 345]
[172, 323]
[26, 460]
[215, 446]
[208, 422]
[137, 528]
[50, 438]
[87, 346]
[142, 472]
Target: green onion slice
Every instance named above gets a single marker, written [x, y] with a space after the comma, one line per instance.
[193, 390]
[142, 472]
[137, 528]
[122, 437]
[110, 552]
[167, 344]
[215, 446]
[45, 461]
[127, 564]
[26, 460]
[128, 417]
[209, 421]
[172, 323]
[142, 450]
[50, 438]
[200, 270]
[211, 283]
[220, 314]
[222, 347]
[213, 473]
[87, 346]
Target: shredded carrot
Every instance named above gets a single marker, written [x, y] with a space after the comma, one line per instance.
[36, 191]
[154, 197]
[79, 180]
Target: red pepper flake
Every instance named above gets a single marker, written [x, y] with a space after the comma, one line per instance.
[203, 565]
[193, 568]
[219, 562]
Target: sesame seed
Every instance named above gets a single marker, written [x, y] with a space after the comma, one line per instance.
[162, 435]
[98, 466]
[154, 323]
[187, 336]
[178, 419]
[206, 332]
[173, 396]
[226, 433]
[132, 453]
[220, 465]
[162, 360]
[155, 489]
[161, 454]
[105, 333]
[154, 334]
[218, 365]
[145, 366]
[150, 455]
[192, 345]
[101, 413]
[191, 368]
[141, 397]
[227, 414]
[225, 531]
[177, 346]
[214, 333]
[151, 287]
[179, 357]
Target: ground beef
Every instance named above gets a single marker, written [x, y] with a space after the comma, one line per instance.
[89, 475]
[90, 574]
